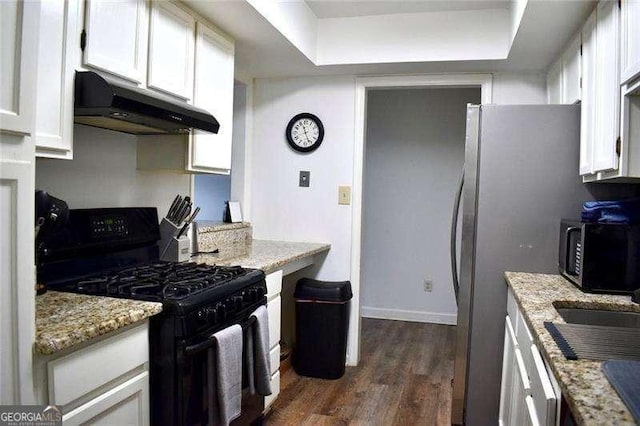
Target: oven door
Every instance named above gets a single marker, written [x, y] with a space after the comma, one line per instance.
[193, 387]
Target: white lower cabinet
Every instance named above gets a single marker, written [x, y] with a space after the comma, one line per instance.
[274, 287]
[105, 383]
[126, 404]
[527, 396]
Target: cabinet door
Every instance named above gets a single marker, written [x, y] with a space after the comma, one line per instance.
[531, 418]
[18, 57]
[544, 397]
[607, 104]
[56, 54]
[571, 72]
[275, 390]
[521, 389]
[17, 273]
[214, 93]
[274, 309]
[554, 84]
[508, 370]
[630, 48]
[126, 404]
[171, 40]
[587, 112]
[117, 37]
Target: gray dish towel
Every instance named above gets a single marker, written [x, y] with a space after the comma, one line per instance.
[228, 368]
[260, 365]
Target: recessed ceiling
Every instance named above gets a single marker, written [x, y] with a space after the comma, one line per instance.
[345, 9]
[262, 51]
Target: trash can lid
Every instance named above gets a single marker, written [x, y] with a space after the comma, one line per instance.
[326, 291]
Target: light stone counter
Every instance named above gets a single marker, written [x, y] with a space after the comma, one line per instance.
[64, 320]
[591, 398]
[266, 255]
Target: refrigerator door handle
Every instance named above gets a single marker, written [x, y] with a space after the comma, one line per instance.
[454, 236]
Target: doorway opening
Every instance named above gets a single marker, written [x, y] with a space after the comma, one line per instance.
[364, 86]
[414, 153]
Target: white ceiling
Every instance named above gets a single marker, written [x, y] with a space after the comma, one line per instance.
[262, 51]
[348, 8]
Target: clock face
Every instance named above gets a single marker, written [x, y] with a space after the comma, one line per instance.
[305, 132]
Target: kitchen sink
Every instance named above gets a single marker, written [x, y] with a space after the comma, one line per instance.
[600, 317]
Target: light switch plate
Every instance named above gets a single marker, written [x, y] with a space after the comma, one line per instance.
[305, 176]
[344, 195]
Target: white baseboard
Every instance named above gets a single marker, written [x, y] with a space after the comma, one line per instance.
[404, 315]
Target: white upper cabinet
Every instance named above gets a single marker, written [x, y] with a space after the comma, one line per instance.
[563, 77]
[630, 48]
[214, 68]
[587, 112]
[571, 72]
[59, 41]
[554, 84]
[171, 46]
[116, 37]
[600, 120]
[607, 106]
[18, 44]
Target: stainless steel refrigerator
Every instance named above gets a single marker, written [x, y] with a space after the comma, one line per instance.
[520, 179]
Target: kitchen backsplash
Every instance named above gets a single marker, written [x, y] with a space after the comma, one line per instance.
[103, 174]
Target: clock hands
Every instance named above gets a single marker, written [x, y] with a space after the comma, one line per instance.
[305, 133]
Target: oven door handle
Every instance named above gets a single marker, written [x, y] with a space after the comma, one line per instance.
[210, 341]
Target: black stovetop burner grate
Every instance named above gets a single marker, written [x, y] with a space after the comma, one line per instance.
[160, 281]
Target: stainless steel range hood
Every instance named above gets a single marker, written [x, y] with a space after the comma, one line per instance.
[105, 103]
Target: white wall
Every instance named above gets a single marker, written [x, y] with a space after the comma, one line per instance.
[519, 88]
[415, 37]
[414, 153]
[103, 174]
[280, 209]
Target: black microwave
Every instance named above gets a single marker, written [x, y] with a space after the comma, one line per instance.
[600, 258]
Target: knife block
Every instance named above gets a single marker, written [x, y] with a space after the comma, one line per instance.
[173, 249]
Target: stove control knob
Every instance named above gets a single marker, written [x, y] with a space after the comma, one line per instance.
[252, 295]
[203, 315]
[237, 302]
[212, 315]
[221, 311]
[261, 292]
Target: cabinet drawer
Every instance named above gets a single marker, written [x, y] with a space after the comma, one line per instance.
[512, 308]
[80, 372]
[274, 359]
[274, 284]
[531, 418]
[273, 308]
[544, 397]
[521, 377]
[525, 340]
[275, 390]
[126, 404]
[508, 366]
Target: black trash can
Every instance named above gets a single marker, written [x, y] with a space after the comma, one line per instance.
[322, 324]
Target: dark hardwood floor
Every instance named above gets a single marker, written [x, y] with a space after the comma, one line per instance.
[404, 378]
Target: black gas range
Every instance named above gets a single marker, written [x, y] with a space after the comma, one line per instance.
[114, 252]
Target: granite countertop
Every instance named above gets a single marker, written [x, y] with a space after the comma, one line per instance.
[266, 255]
[64, 320]
[591, 398]
[205, 226]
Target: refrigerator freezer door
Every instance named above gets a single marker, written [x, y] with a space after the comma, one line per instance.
[467, 247]
[521, 179]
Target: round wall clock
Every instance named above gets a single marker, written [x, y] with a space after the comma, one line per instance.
[305, 132]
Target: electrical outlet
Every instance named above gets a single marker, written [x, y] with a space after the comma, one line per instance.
[344, 195]
[428, 285]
